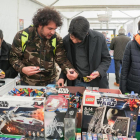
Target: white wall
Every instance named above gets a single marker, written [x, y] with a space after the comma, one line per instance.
[10, 13]
[13, 10]
[64, 29]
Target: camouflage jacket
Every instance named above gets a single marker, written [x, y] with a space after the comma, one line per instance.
[38, 52]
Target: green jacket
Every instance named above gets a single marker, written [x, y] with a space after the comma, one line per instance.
[118, 44]
[38, 52]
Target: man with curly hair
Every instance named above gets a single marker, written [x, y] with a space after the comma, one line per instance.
[35, 60]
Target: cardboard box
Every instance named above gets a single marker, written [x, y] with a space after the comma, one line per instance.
[70, 124]
[22, 116]
[79, 114]
[55, 111]
[54, 125]
[109, 113]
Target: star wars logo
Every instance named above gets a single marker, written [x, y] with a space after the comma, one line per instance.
[4, 104]
[107, 101]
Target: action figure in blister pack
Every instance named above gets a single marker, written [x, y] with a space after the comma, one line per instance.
[56, 103]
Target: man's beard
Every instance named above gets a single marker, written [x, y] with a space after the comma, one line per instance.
[43, 36]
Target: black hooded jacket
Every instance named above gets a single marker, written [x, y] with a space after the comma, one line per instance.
[130, 73]
[10, 72]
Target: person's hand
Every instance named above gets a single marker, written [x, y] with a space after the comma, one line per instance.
[60, 83]
[30, 70]
[94, 75]
[2, 76]
[71, 74]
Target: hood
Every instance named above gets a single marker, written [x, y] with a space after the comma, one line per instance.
[137, 39]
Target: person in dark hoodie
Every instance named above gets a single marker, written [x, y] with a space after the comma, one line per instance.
[130, 73]
[87, 51]
[5, 66]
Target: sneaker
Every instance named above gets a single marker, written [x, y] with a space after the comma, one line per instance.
[116, 84]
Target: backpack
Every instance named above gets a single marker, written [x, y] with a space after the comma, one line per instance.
[24, 39]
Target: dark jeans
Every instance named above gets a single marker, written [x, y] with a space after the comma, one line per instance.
[24, 83]
[118, 63]
[79, 83]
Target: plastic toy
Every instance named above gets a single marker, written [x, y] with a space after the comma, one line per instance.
[27, 92]
[2, 72]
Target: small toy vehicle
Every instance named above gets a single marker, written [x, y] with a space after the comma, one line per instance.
[2, 72]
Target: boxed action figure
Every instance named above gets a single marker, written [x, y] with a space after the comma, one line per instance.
[89, 136]
[115, 114]
[115, 138]
[105, 137]
[22, 116]
[55, 111]
[78, 136]
[54, 125]
[100, 136]
[94, 136]
[56, 103]
[70, 124]
[84, 135]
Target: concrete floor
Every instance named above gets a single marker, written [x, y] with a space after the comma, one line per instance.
[111, 81]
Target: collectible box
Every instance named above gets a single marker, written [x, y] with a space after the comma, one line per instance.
[70, 124]
[22, 116]
[110, 137]
[94, 136]
[55, 111]
[78, 136]
[56, 103]
[115, 138]
[54, 125]
[84, 135]
[105, 137]
[100, 136]
[115, 114]
[89, 136]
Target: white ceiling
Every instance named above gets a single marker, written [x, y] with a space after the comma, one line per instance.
[123, 11]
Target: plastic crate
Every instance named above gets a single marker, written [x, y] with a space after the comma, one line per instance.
[9, 84]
